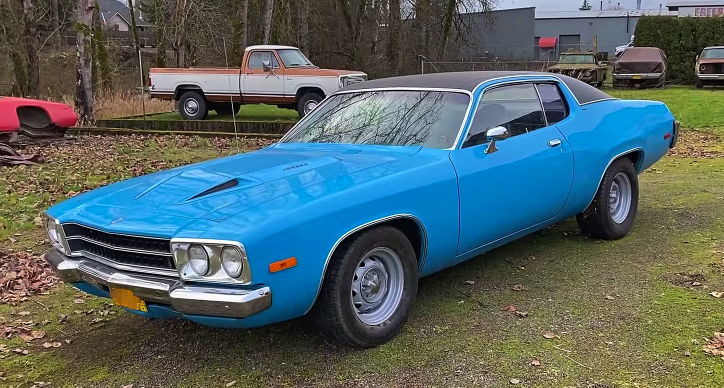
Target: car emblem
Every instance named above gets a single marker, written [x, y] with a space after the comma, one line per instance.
[117, 220]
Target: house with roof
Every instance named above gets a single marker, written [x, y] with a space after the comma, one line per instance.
[116, 16]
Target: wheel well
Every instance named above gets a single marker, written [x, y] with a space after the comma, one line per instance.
[184, 88]
[33, 117]
[305, 90]
[412, 229]
[636, 157]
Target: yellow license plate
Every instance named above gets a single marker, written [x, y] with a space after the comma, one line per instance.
[125, 298]
[637, 77]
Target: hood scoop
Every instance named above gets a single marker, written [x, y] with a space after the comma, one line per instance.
[216, 189]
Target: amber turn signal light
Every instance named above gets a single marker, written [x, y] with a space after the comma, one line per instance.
[282, 264]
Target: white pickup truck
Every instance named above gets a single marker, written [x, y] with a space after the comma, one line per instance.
[274, 75]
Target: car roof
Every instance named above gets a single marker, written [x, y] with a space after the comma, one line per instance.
[270, 47]
[713, 47]
[469, 80]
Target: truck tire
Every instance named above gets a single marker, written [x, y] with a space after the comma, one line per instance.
[613, 210]
[308, 102]
[192, 106]
[369, 290]
[225, 109]
[699, 84]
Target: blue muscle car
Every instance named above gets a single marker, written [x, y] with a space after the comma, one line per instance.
[384, 182]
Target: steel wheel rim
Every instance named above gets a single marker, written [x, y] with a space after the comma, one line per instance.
[377, 285]
[191, 107]
[619, 198]
[310, 106]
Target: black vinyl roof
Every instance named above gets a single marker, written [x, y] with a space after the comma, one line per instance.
[469, 80]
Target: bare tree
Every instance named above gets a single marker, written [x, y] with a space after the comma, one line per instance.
[55, 24]
[268, 11]
[31, 48]
[304, 26]
[84, 84]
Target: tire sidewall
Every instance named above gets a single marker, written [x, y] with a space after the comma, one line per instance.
[370, 335]
[306, 98]
[616, 230]
[203, 110]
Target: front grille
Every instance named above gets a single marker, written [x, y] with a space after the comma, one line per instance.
[118, 248]
[712, 68]
[353, 79]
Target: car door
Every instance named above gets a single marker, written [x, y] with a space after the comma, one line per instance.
[260, 83]
[522, 180]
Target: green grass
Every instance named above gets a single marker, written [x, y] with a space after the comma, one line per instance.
[695, 108]
[254, 113]
[649, 335]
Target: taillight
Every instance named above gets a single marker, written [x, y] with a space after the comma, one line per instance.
[149, 80]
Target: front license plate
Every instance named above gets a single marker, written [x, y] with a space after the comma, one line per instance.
[637, 77]
[125, 298]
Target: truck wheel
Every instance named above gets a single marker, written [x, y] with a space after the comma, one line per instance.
[225, 109]
[699, 84]
[613, 210]
[192, 106]
[307, 103]
[369, 290]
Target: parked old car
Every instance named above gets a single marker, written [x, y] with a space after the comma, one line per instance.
[274, 75]
[581, 65]
[383, 183]
[710, 67]
[33, 118]
[620, 49]
[640, 67]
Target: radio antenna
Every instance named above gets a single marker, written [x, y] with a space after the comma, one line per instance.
[231, 96]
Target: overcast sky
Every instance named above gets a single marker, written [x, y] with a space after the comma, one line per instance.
[572, 5]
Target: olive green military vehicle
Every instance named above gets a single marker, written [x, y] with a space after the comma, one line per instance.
[581, 65]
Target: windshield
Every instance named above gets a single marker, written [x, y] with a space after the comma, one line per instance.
[397, 118]
[577, 59]
[716, 53]
[294, 58]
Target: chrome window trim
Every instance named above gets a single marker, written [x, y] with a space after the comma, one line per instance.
[423, 249]
[122, 249]
[395, 89]
[595, 101]
[217, 274]
[141, 269]
[542, 108]
[632, 150]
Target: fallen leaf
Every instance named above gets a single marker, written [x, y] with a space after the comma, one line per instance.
[696, 284]
[231, 383]
[609, 297]
[716, 294]
[535, 362]
[37, 334]
[24, 313]
[130, 385]
[519, 287]
[687, 353]
[78, 301]
[62, 318]
[12, 240]
[21, 352]
[508, 308]
[47, 345]
[469, 282]
[521, 314]
[548, 335]
[25, 337]
[57, 344]
[514, 381]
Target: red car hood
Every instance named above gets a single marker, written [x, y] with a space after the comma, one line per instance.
[59, 114]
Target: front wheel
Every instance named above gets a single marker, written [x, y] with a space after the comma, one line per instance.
[611, 214]
[369, 290]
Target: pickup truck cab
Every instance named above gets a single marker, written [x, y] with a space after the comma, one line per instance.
[274, 75]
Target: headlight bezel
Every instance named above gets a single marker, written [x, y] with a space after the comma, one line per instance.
[216, 272]
[59, 242]
[241, 256]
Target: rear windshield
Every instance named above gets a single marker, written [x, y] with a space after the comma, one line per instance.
[715, 53]
[397, 118]
[577, 59]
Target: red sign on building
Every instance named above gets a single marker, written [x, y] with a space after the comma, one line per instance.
[709, 11]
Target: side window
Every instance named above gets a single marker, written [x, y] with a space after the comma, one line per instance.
[515, 107]
[554, 105]
[257, 59]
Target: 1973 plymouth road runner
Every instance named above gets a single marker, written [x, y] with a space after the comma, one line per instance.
[386, 181]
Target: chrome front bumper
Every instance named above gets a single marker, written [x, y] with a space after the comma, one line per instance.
[638, 76]
[184, 298]
[711, 77]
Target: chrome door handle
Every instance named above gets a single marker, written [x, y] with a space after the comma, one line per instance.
[554, 143]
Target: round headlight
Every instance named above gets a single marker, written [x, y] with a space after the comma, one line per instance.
[232, 261]
[198, 259]
[52, 226]
[703, 67]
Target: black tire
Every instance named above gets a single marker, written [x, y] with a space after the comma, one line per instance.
[307, 98]
[597, 221]
[189, 114]
[699, 84]
[225, 109]
[334, 314]
[599, 84]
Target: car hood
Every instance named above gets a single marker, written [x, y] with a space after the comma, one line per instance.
[218, 189]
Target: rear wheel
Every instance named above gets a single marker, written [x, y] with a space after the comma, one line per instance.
[192, 106]
[369, 290]
[611, 214]
[226, 109]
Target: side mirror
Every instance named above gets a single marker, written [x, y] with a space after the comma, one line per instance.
[497, 133]
[266, 65]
